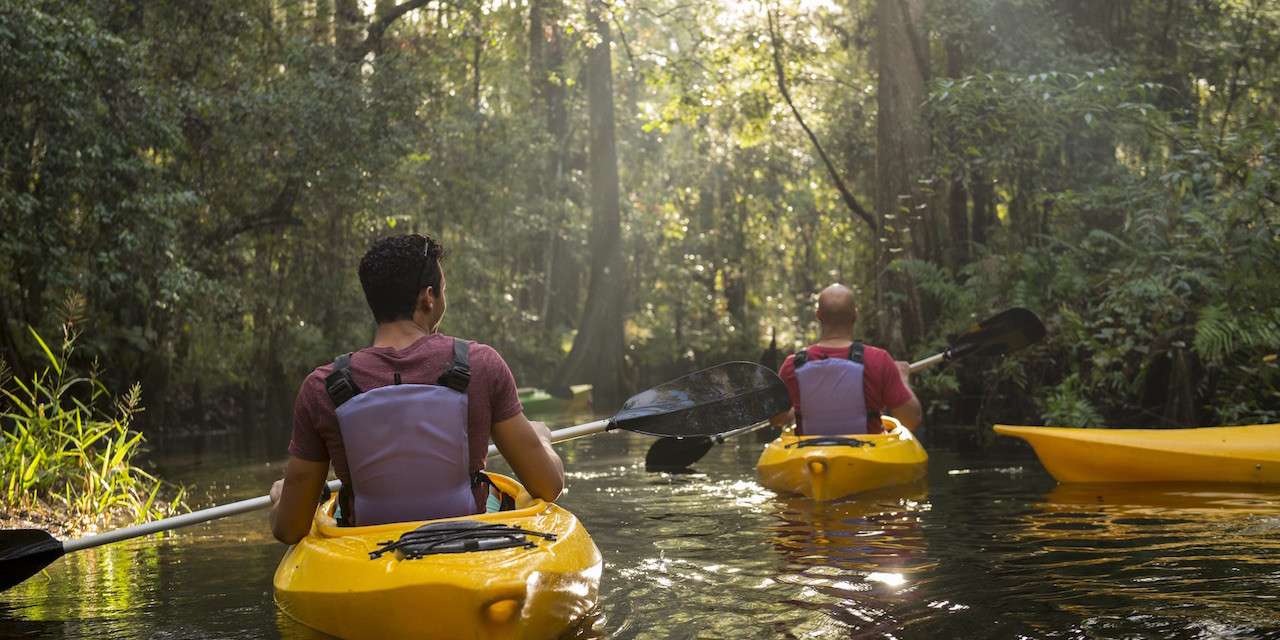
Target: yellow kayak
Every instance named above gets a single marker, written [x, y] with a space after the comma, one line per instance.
[1208, 454]
[827, 468]
[535, 589]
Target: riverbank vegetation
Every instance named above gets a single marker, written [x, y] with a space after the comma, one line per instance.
[635, 189]
[69, 454]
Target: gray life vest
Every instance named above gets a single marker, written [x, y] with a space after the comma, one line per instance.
[833, 400]
[406, 444]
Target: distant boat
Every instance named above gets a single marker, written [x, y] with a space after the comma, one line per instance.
[555, 401]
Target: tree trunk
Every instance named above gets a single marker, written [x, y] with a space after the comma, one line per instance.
[957, 195]
[902, 151]
[597, 354]
[735, 276]
[323, 27]
[984, 213]
[902, 140]
[546, 68]
[294, 24]
[348, 23]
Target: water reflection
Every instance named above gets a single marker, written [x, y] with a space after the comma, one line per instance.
[856, 561]
[1175, 557]
[991, 549]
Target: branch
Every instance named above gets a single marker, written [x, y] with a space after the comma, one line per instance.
[373, 39]
[622, 35]
[845, 194]
[277, 214]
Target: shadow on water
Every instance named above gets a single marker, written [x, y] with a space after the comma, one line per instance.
[989, 548]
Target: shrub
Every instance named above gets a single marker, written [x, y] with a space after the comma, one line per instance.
[69, 451]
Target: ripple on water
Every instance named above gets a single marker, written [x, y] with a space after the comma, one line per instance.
[989, 548]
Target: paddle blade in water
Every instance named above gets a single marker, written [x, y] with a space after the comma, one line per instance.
[23, 553]
[668, 454]
[1003, 333]
[706, 403]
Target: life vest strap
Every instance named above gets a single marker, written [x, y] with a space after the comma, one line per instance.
[507, 500]
[340, 386]
[855, 355]
[458, 375]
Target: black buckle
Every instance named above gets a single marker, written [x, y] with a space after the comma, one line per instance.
[456, 378]
[340, 386]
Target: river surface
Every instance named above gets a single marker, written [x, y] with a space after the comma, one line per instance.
[988, 547]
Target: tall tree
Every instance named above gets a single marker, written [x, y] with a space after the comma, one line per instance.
[902, 146]
[546, 71]
[597, 353]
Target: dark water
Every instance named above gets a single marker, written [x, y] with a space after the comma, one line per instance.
[988, 548]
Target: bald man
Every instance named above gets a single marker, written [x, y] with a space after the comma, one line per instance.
[839, 386]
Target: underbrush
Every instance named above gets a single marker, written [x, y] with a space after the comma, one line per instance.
[69, 458]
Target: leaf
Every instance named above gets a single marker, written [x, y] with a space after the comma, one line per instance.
[57, 366]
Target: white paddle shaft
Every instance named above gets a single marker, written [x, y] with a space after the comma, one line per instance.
[264, 502]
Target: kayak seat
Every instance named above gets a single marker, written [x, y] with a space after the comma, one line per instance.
[831, 441]
[459, 536]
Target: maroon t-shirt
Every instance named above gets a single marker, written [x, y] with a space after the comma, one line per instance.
[881, 382]
[491, 396]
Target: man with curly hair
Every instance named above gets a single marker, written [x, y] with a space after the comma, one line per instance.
[406, 422]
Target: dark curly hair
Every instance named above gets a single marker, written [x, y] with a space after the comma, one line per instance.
[395, 269]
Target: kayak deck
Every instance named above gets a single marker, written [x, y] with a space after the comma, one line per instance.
[328, 581]
[789, 466]
[1247, 454]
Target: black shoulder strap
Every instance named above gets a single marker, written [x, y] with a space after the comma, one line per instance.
[458, 375]
[800, 357]
[855, 352]
[340, 386]
[855, 355]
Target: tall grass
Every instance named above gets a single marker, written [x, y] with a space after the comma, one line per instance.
[68, 449]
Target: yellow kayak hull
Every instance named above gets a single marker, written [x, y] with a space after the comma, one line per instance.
[833, 472]
[1248, 454]
[328, 582]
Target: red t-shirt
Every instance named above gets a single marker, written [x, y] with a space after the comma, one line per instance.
[491, 396]
[881, 381]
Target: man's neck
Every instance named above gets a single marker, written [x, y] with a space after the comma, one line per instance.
[835, 337]
[399, 334]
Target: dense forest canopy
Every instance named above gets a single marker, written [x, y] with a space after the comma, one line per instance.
[632, 189]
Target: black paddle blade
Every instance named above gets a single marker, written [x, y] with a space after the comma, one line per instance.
[706, 403]
[1002, 333]
[673, 454]
[23, 553]
[772, 356]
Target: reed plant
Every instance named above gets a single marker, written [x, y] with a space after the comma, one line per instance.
[69, 454]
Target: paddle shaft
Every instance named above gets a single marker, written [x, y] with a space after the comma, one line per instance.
[569, 433]
[263, 502]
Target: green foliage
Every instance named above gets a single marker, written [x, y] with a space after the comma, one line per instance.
[1148, 237]
[69, 446]
[1068, 405]
[1221, 333]
[205, 177]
